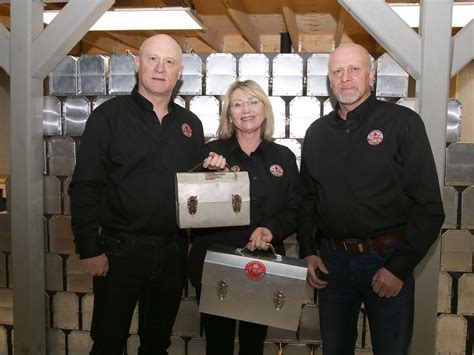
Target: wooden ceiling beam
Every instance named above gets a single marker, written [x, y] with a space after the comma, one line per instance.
[291, 23]
[340, 27]
[211, 35]
[131, 40]
[244, 23]
[5, 15]
[5, 21]
[84, 48]
[104, 42]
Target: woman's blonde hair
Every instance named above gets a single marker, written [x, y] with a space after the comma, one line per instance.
[226, 128]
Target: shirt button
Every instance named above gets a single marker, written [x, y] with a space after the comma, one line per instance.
[348, 130]
[255, 178]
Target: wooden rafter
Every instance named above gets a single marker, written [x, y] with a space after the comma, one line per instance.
[244, 23]
[130, 40]
[104, 42]
[5, 21]
[340, 27]
[5, 15]
[291, 24]
[211, 35]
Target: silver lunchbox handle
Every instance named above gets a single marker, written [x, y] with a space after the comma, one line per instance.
[278, 257]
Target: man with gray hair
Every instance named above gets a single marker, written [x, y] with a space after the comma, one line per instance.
[123, 203]
[371, 206]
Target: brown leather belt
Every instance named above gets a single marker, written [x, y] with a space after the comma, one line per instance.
[377, 243]
[143, 239]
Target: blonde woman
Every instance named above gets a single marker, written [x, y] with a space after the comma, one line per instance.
[245, 133]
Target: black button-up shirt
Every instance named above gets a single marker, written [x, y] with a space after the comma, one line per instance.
[274, 198]
[125, 172]
[368, 175]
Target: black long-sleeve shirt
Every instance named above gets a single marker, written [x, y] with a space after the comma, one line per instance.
[274, 198]
[124, 177]
[369, 175]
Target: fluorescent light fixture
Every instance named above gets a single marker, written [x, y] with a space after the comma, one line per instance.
[410, 13]
[166, 18]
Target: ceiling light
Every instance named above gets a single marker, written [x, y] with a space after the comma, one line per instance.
[166, 18]
[410, 13]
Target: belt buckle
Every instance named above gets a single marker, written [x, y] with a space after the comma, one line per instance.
[359, 245]
[345, 245]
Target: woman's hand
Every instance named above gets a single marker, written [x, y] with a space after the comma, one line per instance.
[259, 239]
[214, 162]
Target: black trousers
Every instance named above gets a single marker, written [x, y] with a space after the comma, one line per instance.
[220, 335]
[152, 275]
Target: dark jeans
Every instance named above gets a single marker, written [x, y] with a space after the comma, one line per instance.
[220, 335]
[350, 284]
[152, 275]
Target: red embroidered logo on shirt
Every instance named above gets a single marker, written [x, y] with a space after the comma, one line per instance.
[375, 137]
[255, 270]
[187, 131]
[276, 170]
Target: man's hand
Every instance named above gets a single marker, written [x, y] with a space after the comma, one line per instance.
[214, 162]
[95, 266]
[259, 239]
[386, 284]
[316, 264]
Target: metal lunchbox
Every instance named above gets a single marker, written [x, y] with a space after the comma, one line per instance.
[257, 287]
[212, 199]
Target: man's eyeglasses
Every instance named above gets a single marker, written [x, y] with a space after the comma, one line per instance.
[239, 104]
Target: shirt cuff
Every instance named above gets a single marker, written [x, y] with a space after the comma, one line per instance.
[88, 248]
[399, 266]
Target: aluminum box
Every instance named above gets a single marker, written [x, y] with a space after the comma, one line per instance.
[392, 79]
[459, 164]
[317, 83]
[256, 287]
[467, 208]
[191, 78]
[63, 78]
[221, 72]
[287, 75]
[92, 75]
[207, 109]
[61, 156]
[255, 66]
[51, 116]
[76, 111]
[279, 114]
[212, 199]
[122, 77]
[303, 112]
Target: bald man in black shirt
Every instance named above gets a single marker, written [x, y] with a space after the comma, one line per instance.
[123, 202]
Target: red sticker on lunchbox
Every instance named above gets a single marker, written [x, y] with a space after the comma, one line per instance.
[255, 270]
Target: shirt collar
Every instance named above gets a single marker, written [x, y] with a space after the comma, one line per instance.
[359, 113]
[145, 104]
[232, 144]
